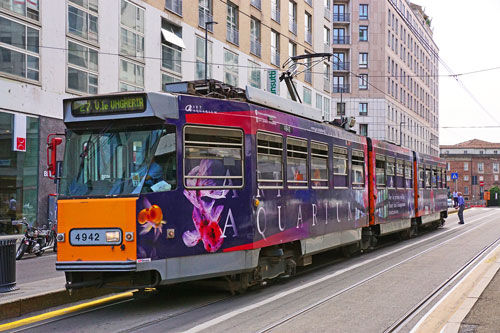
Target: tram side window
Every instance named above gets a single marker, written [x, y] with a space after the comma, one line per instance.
[213, 157]
[390, 172]
[400, 175]
[427, 178]
[269, 160]
[408, 175]
[434, 178]
[319, 165]
[339, 167]
[296, 162]
[421, 177]
[358, 169]
[380, 170]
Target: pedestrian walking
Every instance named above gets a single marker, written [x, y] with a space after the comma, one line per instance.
[455, 199]
[461, 206]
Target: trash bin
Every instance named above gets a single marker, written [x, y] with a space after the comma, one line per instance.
[7, 265]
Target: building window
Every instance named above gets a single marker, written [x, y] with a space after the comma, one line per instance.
[466, 178]
[230, 68]
[256, 4]
[326, 77]
[363, 60]
[363, 33]
[83, 20]
[19, 50]
[326, 109]
[363, 129]
[363, 12]
[466, 166]
[255, 46]
[339, 36]
[363, 109]
[174, 6]
[131, 76]
[205, 14]
[341, 109]
[307, 96]
[319, 102]
[29, 9]
[480, 167]
[466, 190]
[363, 81]
[496, 177]
[307, 69]
[171, 47]
[254, 74]
[232, 24]
[275, 10]
[292, 17]
[132, 30]
[82, 68]
[326, 38]
[200, 59]
[308, 28]
[166, 78]
[495, 167]
[275, 47]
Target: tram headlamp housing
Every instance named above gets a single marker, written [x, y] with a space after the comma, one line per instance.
[112, 236]
[60, 238]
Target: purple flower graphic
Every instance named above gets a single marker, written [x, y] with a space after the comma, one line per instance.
[205, 216]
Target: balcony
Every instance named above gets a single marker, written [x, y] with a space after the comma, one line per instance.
[328, 48]
[308, 38]
[326, 85]
[233, 35]
[256, 4]
[327, 14]
[344, 88]
[275, 14]
[341, 66]
[342, 40]
[292, 25]
[255, 46]
[205, 16]
[275, 56]
[341, 17]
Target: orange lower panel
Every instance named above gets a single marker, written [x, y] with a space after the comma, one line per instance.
[97, 213]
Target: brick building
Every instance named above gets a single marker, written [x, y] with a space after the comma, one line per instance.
[477, 165]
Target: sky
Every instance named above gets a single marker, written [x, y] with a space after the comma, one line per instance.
[464, 32]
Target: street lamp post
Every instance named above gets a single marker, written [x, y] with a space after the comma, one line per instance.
[206, 45]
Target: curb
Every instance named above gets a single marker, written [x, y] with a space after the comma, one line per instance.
[19, 307]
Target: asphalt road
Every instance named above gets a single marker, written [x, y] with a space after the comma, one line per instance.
[367, 293]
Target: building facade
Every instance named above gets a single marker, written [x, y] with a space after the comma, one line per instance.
[475, 164]
[51, 50]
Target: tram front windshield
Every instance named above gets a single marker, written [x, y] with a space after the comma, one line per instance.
[116, 161]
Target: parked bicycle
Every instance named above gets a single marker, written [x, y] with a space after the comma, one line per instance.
[36, 240]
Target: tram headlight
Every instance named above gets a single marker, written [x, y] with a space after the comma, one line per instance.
[112, 236]
[60, 238]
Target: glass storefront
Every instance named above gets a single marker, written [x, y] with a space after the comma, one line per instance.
[18, 175]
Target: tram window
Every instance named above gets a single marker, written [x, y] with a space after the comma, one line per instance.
[390, 172]
[380, 170]
[408, 175]
[427, 178]
[421, 177]
[213, 157]
[434, 178]
[400, 174]
[269, 160]
[319, 165]
[164, 164]
[296, 162]
[358, 168]
[339, 167]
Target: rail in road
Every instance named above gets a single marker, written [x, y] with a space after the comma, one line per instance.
[389, 289]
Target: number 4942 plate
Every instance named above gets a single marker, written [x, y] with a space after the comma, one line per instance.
[95, 237]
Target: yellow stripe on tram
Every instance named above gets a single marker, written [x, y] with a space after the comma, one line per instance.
[64, 311]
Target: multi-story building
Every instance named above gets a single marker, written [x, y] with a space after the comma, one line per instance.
[475, 164]
[385, 71]
[50, 50]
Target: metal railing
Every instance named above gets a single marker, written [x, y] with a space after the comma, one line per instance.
[344, 88]
[342, 40]
[256, 3]
[341, 17]
[233, 35]
[204, 16]
[275, 56]
[292, 25]
[341, 66]
[275, 14]
[255, 46]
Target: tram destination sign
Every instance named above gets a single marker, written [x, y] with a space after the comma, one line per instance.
[108, 105]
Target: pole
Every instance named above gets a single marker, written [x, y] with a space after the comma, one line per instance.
[206, 46]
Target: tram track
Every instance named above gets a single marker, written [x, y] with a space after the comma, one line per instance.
[435, 238]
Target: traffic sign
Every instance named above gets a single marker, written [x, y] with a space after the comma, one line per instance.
[481, 183]
[454, 175]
